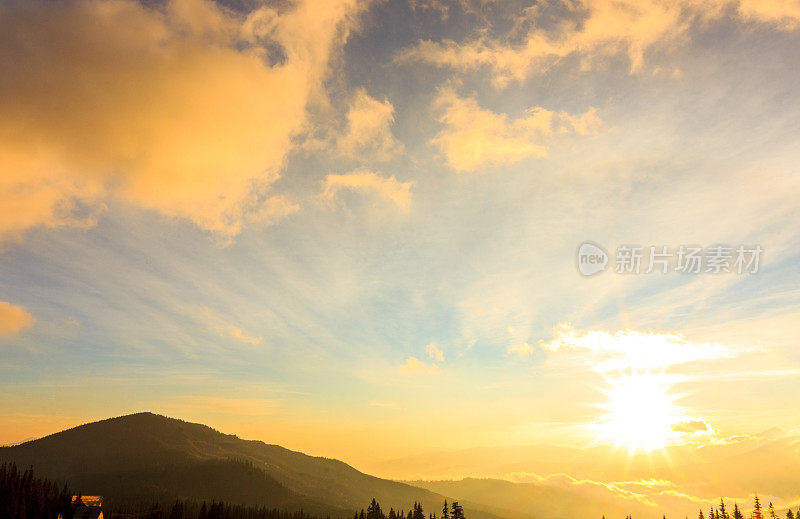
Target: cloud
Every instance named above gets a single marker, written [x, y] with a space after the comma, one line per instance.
[414, 366]
[785, 14]
[473, 137]
[590, 30]
[369, 129]
[521, 349]
[183, 405]
[225, 329]
[693, 427]
[434, 352]
[385, 405]
[238, 334]
[178, 108]
[14, 319]
[632, 349]
[390, 189]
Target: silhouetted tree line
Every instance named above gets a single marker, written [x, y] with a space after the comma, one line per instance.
[189, 509]
[374, 511]
[722, 512]
[24, 496]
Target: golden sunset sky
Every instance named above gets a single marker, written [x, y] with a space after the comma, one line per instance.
[349, 227]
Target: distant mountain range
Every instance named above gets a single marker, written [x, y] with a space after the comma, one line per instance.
[147, 456]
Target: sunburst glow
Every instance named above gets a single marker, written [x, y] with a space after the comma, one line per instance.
[641, 413]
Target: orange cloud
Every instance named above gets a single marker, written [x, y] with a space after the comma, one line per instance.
[399, 193]
[369, 130]
[785, 14]
[475, 137]
[592, 30]
[237, 333]
[14, 319]
[174, 108]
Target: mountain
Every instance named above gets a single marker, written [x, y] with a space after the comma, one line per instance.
[527, 500]
[147, 455]
[559, 482]
[765, 462]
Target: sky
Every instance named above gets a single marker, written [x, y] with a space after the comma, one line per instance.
[350, 227]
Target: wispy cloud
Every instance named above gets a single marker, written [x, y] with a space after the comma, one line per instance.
[385, 405]
[590, 30]
[387, 188]
[237, 333]
[191, 404]
[414, 366]
[521, 349]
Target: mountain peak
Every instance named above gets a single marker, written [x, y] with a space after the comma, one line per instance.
[146, 450]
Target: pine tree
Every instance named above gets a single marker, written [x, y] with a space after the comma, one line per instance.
[737, 514]
[722, 513]
[701, 515]
[458, 511]
[445, 511]
[177, 511]
[757, 509]
[772, 511]
[374, 510]
[789, 514]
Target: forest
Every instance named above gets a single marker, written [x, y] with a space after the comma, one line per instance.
[25, 496]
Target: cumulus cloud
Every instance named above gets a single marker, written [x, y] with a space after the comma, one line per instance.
[590, 30]
[632, 349]
[414, 366]
[369, 129]
[389, 189]
[179, 108]
[434, 352]
[473, 136]
[14, 319]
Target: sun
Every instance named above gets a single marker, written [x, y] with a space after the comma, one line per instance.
[640, 412]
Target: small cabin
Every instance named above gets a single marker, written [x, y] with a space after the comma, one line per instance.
[89, 507]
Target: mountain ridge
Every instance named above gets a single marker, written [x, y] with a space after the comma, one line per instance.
[146, 453]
